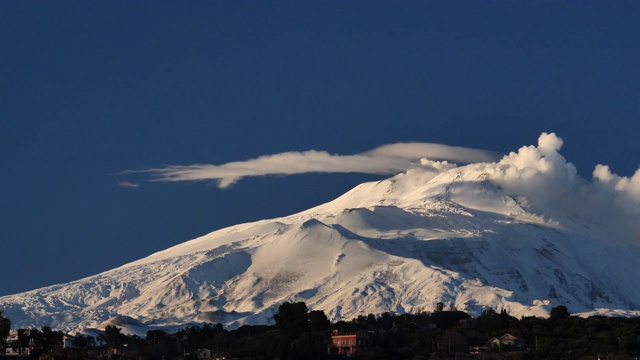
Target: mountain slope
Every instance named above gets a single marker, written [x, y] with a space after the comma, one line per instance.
[401, 245]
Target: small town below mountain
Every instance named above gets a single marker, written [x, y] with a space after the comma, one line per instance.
[299, 333]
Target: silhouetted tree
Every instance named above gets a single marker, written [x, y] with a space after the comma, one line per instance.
[5, 326]
[84, 341]
[446, 319]
[113, 336]
[318, 320]
[292, 319]
[101, 338]
[82, 344]
[23, 339]
[559, 312]
[35, 338]
[51, 340]
[385, 321]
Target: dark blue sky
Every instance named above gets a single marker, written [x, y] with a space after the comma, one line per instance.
[89, 89]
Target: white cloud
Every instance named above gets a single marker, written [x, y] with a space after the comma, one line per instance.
[130, 185]
[387, 159]
[629, 186]
[433, 152]
[549, 185]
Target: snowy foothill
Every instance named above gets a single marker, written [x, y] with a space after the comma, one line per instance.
[523, 234]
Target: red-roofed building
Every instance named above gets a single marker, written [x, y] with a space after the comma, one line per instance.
[347, 344]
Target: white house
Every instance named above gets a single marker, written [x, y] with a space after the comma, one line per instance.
[68, 341]
[203, 354]
[504, 340]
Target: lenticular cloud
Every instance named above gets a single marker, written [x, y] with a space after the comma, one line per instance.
[387, 159]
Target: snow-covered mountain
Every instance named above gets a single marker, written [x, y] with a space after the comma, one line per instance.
[515, 235]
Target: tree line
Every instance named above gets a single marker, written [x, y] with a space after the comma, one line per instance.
[299, 333]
